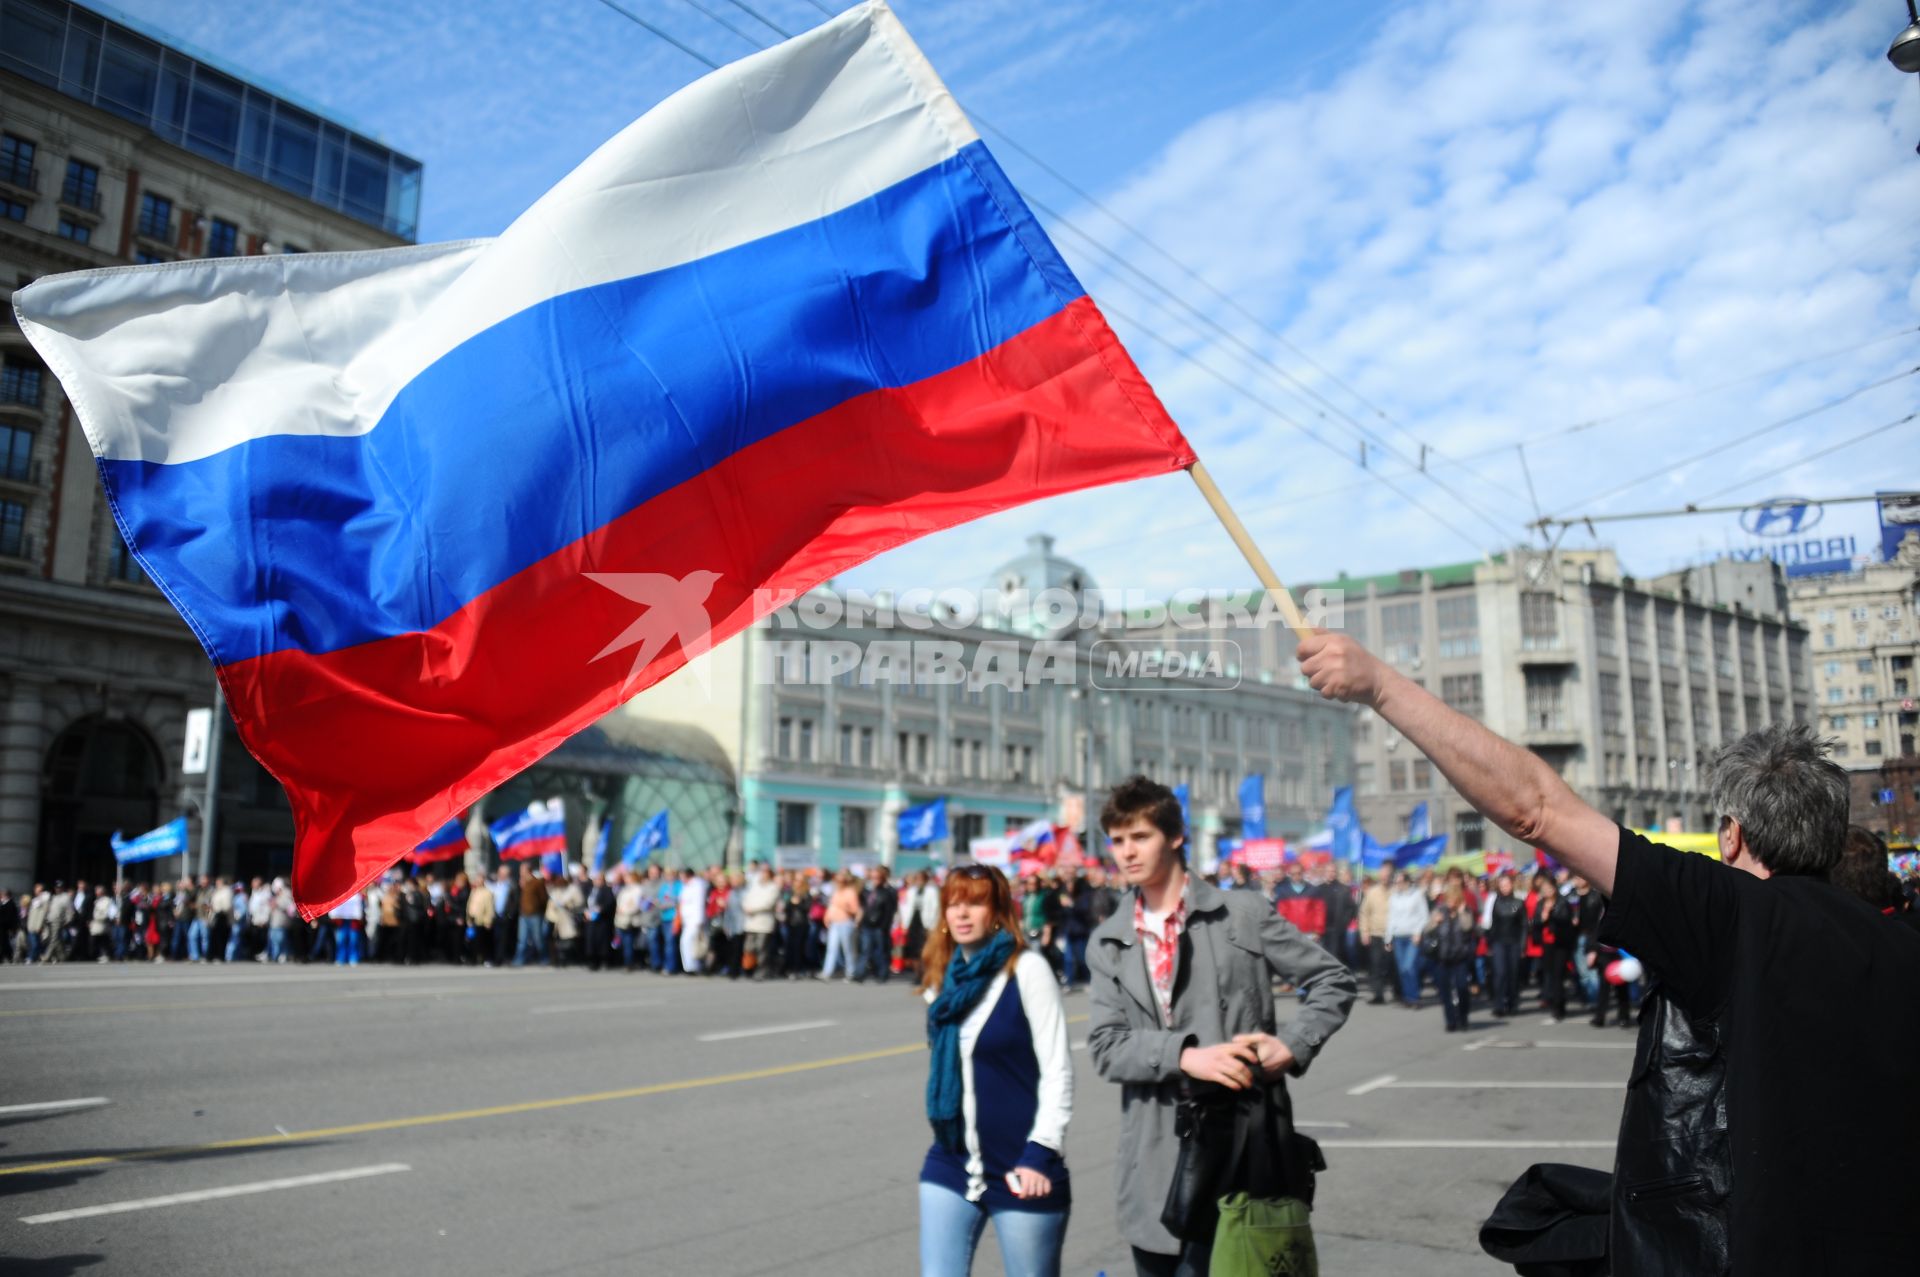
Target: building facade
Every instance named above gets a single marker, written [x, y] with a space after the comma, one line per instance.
[117, 149]
[839, 712]
[1624, 688]
[1865, 633]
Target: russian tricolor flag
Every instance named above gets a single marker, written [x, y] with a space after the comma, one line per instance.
[540, 830]
[449, 842]
[432, 510]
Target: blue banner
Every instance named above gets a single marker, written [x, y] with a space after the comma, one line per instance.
[1182, 793]
[1419, 827]
[1344, 826]
[1253, 806]
[649, 838]
[1424, 854]
[168, 840]
[924, 824]
[597, 854]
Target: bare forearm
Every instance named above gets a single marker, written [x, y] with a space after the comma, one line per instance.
[1509, 785]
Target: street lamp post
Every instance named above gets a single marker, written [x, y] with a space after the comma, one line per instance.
[1904, 52]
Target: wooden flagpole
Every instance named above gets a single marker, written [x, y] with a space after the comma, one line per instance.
[1269, 579]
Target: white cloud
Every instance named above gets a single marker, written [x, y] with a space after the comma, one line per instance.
[1499, 220]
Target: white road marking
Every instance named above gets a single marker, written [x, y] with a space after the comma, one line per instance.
[1081, 1045]
[1385, 1079]
[1459, 1144]
[1311, 1126]
[215, 1194]
[1514, 1043]
[54, 1106]
[214, 977]
[594, 1006]
[764, 1031]
[1398, 1085]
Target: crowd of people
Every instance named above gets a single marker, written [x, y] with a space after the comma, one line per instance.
[1496, 941]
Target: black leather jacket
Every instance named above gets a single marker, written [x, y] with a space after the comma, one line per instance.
[1672, 1171]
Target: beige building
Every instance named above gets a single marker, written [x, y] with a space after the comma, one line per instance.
[116, 149]
[1625, 688]
[1865, 631]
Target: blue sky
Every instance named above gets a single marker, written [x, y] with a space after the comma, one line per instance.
[1461, 224]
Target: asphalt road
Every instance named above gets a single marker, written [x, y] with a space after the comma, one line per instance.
[437, 1120]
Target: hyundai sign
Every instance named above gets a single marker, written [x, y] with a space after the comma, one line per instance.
[1785, 522]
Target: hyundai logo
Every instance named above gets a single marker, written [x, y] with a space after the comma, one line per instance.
[1781, 517]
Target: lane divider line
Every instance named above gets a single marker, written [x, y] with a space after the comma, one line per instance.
[54, 1106]
[215, 1194]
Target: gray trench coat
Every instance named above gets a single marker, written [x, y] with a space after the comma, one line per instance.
[1239, 945]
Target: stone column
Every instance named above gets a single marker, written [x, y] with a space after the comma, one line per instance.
[21, 746]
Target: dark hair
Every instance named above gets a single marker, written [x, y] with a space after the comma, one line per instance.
[1862, 869]
[1789, 797]
[1136, 796]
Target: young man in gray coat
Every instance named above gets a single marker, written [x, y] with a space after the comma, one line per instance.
[1153, 1027]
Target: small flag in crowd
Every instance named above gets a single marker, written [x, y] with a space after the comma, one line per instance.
[432, 510]
[647, 839]
[448, 842]
[597, 846]
[1253, 806]
[1343, 827]
[168, 840]
[540, 830]
[924, 824]
[1185, 797]
[1419, 826]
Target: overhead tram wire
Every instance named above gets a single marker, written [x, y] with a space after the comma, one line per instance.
[1278, 412]
[723, 22]
[1748, 437]
[1286, 380]
[635, 18]
[1812, 456]
[1281, 415]
[1303, 389]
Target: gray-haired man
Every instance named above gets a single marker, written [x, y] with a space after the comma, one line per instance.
[1798, 1002]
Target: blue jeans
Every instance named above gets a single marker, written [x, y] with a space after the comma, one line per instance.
[532, 933]
[950, 1225]
[876, 954]
[346, 944]
[236, 943]
[197, 940]
[1589, 976]
[1406, 957]
[1075, 962]
[276, 943]
[662, 952]
[839, 945]
[1453, 980]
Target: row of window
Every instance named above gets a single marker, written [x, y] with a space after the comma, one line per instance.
[80, 190]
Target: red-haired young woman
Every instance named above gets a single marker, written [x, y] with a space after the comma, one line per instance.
[999, 1087]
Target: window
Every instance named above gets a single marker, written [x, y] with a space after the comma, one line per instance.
[783, 739]
[1870, 720]
[1469, 832]
[855, 826]
[1458, 620]
[121, 565]
[805, 753]
[1606, 640]
[1400, 632]
[1873, 749]
[846, 743]
[20, 380]
[1836, 695]
[144, 258]
[922, 747]
[1539, 620]
[78, 232]
[1610, 704]
[979, 760]
[12, 210]
[156, 217]
[13, 524]
[1546, 711]
[1838, 722]
[1363, 779]
[16, 160]
[1862, 666]
[1463, 692]
[1422, 774]
[968, 826]
[16, 453]
[82, 187]
[1860, 614]
[223, 239]
[960, 756]
[793, 823]
[1397, 776]
[1832, 669]
[866, 747]
[1869, 691]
